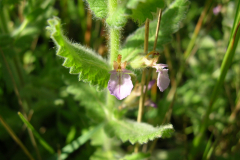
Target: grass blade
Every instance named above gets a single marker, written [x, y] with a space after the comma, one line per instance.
[68, 149]
[227, 60]
[37, 135]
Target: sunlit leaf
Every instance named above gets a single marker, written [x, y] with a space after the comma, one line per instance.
[86, 63]
[99, 7]
[134, 132]
[91, 99]
[142, 9]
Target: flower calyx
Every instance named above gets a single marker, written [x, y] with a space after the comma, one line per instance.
[151, 58]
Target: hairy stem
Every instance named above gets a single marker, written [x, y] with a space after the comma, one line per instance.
[114, 43]
[114, 34]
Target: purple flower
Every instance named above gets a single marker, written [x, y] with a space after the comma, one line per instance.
[217, 10]
[163, 79]
[151, 83]
[120, 84]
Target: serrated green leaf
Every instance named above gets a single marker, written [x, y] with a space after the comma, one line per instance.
[134, 132]
[99, 7]
[87, 64]
[132, 50]
[92, 100]
[142, 9]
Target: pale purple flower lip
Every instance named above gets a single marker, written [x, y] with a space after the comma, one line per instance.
[151, 83]
[160, 66]
[217, 10]
[163, 80]
[120, 84]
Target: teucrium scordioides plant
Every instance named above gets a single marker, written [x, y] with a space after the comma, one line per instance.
[111, 73]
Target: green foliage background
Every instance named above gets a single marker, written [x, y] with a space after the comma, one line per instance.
[69, 115]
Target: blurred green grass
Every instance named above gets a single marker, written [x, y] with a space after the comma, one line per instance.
[43, 84]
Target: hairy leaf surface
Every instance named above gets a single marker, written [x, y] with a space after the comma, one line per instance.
[142, 9]
[133, 132]
[88, 65]
[118, 19]
[99, 7]
[132, 50]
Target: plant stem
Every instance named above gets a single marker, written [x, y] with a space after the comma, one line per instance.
[114, 48]
[154, 48]
[114, 44]
[141, 100]
[3, 20]
[15, 138]
[197, 29]
[114, 34]
[143, 81]
[157, 30]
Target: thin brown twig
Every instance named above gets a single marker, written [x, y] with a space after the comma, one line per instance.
[157, 30]
[20, 102]
[197, 28]
[154, 48]
[141, 100]
[15, 138]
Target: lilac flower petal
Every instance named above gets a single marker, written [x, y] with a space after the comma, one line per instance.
[161, 65]
[151, 83]
[217, 10]
[126, 71]
[120, 85]
[113, 71]
[163, 79]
